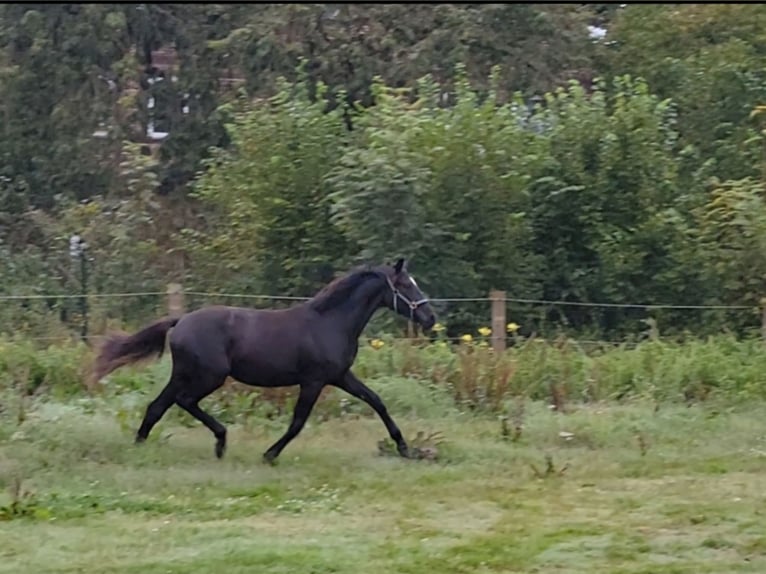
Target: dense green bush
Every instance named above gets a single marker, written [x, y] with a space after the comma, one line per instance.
[57, 369]
[580, 198]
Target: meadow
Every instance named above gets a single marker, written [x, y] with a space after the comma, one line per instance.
[637, 459]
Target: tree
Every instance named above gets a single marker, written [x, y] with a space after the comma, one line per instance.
[270, 196]
[707, 57]
[56, 61]
[445, 185]
[347, 45]
[606, 203]
[730, 237]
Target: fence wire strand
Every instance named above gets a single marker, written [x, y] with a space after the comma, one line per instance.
[625, 305]
[434, 300]
[369, 339]
[88, 295]
[584, 345]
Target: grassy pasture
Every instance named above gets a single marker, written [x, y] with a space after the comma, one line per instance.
[634, 486]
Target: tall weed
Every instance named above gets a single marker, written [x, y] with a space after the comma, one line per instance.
[419, 376]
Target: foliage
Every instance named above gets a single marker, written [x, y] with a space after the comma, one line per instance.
[54, 60]
[131, 246]
[273, 202]
[573, 200]
[446, 185]
[606, 204]
[436, 379]
[362, 133]
[56, 370]
[348, 45]
[707, 58]
[731, 238]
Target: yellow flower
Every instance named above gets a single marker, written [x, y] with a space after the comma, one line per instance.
[376, 343]
[485, 331]
[511, 327]
[438, 328]
[467, 338]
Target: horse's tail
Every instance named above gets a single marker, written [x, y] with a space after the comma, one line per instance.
[121, 349]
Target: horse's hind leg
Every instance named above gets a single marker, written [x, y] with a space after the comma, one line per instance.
[188, 399]
[156, 410]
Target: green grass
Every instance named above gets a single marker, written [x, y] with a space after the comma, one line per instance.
[692, 500]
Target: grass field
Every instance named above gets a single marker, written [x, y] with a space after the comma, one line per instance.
[678, 489]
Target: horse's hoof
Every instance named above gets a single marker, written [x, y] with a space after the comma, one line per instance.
[270, 459]
[139, 440]
[220, 448]
[404, 450]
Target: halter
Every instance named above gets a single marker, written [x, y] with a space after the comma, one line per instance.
[413, 305]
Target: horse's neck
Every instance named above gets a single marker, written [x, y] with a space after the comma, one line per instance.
[354, 314]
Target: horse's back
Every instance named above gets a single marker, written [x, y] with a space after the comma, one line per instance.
[255, 346]
[267, 346]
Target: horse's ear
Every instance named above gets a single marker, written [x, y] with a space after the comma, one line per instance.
[399, 265]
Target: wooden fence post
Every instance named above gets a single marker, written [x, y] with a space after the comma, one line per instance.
[175, 300]
[498, 320]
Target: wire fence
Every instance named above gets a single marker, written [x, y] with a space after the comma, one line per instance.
[159, 302]
[89, 296]
[370, 340]
[433, 299]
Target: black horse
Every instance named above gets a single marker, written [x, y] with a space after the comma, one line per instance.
[312, 344]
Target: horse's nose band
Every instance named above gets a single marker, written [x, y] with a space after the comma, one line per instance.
[413, 305]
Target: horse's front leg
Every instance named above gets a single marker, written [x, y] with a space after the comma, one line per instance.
[307, 398]
[353, 386]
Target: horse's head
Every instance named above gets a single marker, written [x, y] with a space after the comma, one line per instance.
[405, 297]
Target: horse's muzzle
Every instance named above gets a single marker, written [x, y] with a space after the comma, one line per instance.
[427, 322]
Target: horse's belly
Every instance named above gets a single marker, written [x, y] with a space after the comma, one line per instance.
[284, 373]
[260, 375]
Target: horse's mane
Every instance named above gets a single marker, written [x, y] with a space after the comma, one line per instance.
[339, 290]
